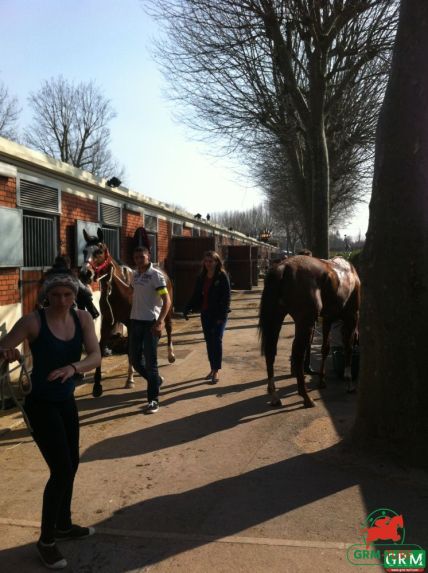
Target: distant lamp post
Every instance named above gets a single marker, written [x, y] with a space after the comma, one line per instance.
[114, 182]
[265, 235]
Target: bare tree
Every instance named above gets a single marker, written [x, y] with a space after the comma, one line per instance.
[9, 113]
[70, 122]
[250, 222]
[278, 67]
[393, 397]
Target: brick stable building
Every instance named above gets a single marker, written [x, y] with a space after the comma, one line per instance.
[44, 206]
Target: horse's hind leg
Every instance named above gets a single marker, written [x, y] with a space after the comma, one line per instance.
[301, 341]
[270, 354]
[168, 328]
[271, 389]
[325, 349]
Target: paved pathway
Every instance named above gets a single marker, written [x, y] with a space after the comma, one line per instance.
[216, 481]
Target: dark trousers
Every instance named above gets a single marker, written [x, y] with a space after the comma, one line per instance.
[143, 355]
[213, 334]
[56, 433]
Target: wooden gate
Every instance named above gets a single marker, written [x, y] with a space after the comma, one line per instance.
[239, 267]
[255, 266]
[187, 254]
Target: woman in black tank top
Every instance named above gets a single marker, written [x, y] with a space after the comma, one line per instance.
[56, 335]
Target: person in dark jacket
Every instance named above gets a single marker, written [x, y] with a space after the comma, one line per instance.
[211, 296]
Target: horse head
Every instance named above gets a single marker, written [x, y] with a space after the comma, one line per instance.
[96, 257]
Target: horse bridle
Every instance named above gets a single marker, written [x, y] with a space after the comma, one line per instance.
[110, 273]
[98, 269]
[98, 276]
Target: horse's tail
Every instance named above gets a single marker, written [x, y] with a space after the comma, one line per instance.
[269, 310]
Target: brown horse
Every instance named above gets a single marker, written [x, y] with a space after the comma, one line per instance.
[306, 288]
[116, 297]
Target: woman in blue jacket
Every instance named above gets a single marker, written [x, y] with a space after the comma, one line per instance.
[211, 296]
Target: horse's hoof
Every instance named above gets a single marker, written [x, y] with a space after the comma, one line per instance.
[97, 390]
[171, 359]
[129, 384]
[276, 403]
[309, 403]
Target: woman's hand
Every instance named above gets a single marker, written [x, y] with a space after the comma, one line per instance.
[63, 373]
[10, 354]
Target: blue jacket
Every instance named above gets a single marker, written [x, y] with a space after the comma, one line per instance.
[218, 297]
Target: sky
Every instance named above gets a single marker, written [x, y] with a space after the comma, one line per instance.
[110, 41]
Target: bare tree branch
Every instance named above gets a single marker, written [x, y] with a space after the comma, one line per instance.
[9, 113]
[70, 122]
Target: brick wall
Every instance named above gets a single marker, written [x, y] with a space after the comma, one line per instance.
[7, 192]
[164, 235]
[74, 207]
[130, 223]
[9, 291]
[187, 232]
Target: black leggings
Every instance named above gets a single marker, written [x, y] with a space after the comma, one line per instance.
[56, 432]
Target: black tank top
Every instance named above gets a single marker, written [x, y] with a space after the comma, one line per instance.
[49, 353]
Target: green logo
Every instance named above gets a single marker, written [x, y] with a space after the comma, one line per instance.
[384, 535]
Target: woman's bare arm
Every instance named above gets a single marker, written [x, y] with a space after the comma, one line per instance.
[26, 328]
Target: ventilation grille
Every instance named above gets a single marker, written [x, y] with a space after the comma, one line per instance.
[110, 214]
[37, 196]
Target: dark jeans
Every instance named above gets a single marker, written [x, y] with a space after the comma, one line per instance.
[56, 432]
[143, 354]
[213, 334]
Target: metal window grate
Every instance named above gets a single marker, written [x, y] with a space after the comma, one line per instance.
[151, 223]
[111, 239]
[110, 214]
[37, 196]
[177, 229]
[153, 238]
[196, 232]
[39, 241]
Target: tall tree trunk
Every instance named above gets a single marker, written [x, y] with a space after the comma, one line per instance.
[317, 145]
[320, 192]
[393, 399]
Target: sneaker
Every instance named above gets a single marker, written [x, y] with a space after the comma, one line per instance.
[51, 556]
[152, 407]
[75, 532]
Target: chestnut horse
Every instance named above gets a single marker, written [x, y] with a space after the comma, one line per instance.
[116, 297]
[306, 288]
